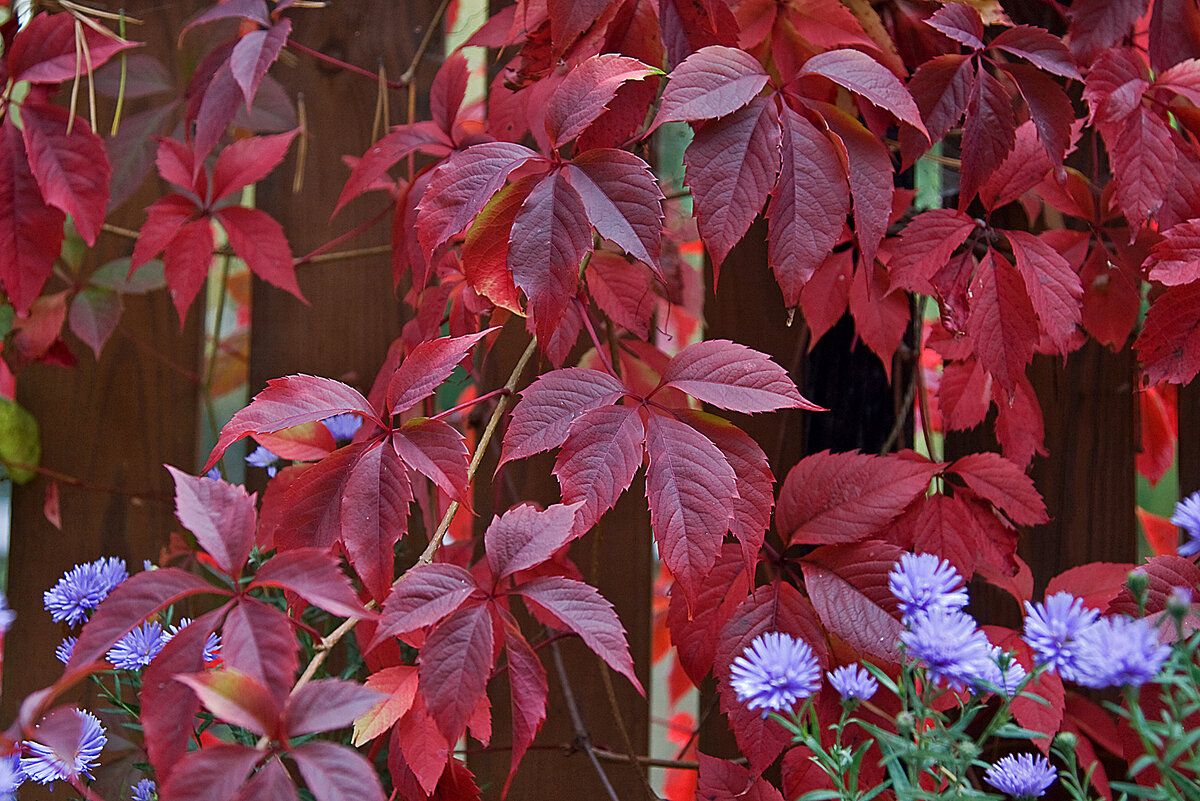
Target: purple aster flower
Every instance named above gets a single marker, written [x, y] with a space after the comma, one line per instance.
[1023, 776]
[44, 765]
[1052, 630]
[343, 427]
[1187, 517]
[214, 473]
[11, 776]
[952, 647]
[261, 457]
[853, 682]
[7, 615]
[1117, 651]
[144, 790]
[82, 589]
[1001, 671]
[65, 649]
[774, 672]
[923, 583]
[137, 648]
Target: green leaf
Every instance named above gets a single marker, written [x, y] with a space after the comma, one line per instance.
[94, 314]
[115, 276]
[20, 444]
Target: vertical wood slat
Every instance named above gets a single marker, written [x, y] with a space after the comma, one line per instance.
[111, 424]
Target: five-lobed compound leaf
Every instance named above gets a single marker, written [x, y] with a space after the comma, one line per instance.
[712, 82]
[525, 536]
[254, 54]
[622, 200]
[31, 231]
[334, 772]
[847, 497]
[221, 516]
[734, 377]
[586, 91]
[454, 666]
[549, 406]
[581, 608]
[291, 401]
[599, 459]
[426, 367]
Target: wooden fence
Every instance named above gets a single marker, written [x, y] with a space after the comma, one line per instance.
[113, 424]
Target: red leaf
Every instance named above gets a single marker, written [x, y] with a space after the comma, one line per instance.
[312, 517]
[1024, 169]
[374, 164]
[942, 88]
[548, 407]
[448, 90]
[45, 50]
[314, 575]
[598, 461]
[735, 377]
[1161, 534]
[1053, 287]
[1165, 572]
[374, 516]
[1002, 324]
[186, 262]
[732, 163]
[808, 205]
[257, 640]
[622, 200]
[549, 238]
[755, 482]
[848, 586]
[252, 10]
[168, 707]
[271, 783]
[1176, 257]
[1143, 162]
[690, 488]
[1043, 49]
[485, 247]
[826, 295]
[135, 599]
[31, 232]
[164, 218]
[940, 525]
[881, 317]
[422, 597]
[1099, 24]
[527, 680]
[236, 698]
[248, 161]
[586, 92]
[437, 451]
[291, 401]
[454, 666]
[221, 516]
[1096, 583]
[418, 749]
[695, 635]
[94, 315]
[960, 22]
[327, 704]
[259, 241]
[1169, 345]
[582, 609]
[218, 106]
[1159, 435]
[570, 19]
[71, 168]
[254, 54]
[1049, 107]
[1019, 425]
[399, 683]
[867, 78]
[871, 179]
[712, 82]
[721, 780]
[846, 497]
[462, 186]
[925, 246]
[1000, 481]
[214, 773]
[525, 536]
[622, 291]
[426, 367]
[988, 133]
[334, 772]
[773, 607]
[964, 394]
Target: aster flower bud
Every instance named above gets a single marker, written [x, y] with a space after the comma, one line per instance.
[1138, 581]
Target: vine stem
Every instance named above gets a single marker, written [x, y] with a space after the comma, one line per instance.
[581, 735]
[335, 636]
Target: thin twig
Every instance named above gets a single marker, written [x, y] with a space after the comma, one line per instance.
[337, 62]
[581, 735]
[73, 481]
[128, 233]
[343, 255]
[910, 392]
[406, 78]
[340, 238]
[632, 756]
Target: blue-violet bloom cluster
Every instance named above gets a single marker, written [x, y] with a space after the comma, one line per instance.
[1001, 671]
[343, 427]
[853, 682]
[65, 649]
[262, 457]
[11, 776]
[212, 643]
[1187, 517]
[82, 589]
[951, 646]
[924, 583]
[1024, 776]
[7, 615]
[136, 649]
[1119, 650]
[144, 790]
[774, 672]
[1052, 630]
[44, 765]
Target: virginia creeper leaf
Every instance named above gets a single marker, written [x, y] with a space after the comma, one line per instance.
[258, 640]
[695, 635]
[1049, 107]
[1175, 259]
[1053, 287]
[327, 704]
[583, 610]
[236, 698]
[527, 680]
[848, 586]
[374, 516]
[270, 783]
[374, 164]
[622, 200]
[599, 459]
[871, 179]
[45, 50]
[221, 516]
[988, 133]
[248, 161]
[732, 376]
[312, 517]
[259, 241]
[426, 367]
[867, 78]
[712, 82]
[525, 536]
[942, 87]
[186, 262]
[399, 684]
[548, 407]
[437, 451]
[722, 780]
[424, 595]
[454, 666]
[334, 772]
[1143, 162]
[1003, 483]
[622, 291]
[314, 575]
[254, 54]
[1002, 324]
[213, 773]
[1040, 48]
[586, 92]
[31, 232]
[485, 247]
